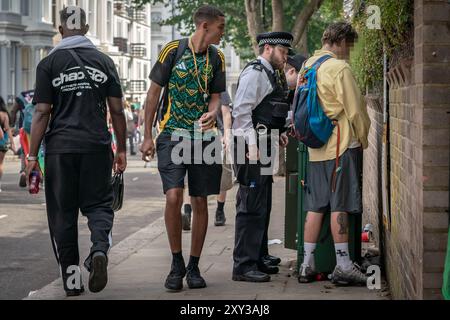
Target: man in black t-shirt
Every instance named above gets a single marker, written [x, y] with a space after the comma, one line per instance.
[78, 157]
[193, 84]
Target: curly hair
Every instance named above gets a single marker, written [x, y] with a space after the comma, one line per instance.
[339, 31]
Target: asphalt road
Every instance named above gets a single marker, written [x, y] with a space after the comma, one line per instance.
[27, 262]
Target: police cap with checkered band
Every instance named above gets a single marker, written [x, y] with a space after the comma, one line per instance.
[275, 38]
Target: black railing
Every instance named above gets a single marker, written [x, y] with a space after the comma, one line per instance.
[137, 15]
[138, 50]
[138, 85]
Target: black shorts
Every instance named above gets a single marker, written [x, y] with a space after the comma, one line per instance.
[203, 178]
[347, 196]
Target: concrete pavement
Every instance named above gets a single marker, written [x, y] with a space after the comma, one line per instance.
[140, 263]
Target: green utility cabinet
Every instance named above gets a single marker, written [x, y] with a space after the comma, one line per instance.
[296, 164]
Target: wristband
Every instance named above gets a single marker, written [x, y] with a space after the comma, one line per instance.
[31, 158]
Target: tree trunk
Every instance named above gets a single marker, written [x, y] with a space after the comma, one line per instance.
[254, 21]
[302, 46]
[302, 20]
[277, 15]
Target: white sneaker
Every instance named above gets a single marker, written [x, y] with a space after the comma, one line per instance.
[306, 274]
[353, 276]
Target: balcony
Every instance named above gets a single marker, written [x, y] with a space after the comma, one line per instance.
[138, 15]
[138, 86]
[138, 50]
[120, 7]
[122, 44]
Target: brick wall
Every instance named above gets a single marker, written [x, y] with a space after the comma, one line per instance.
[372, 196]
[419, 101]
[432, 47]
[403, 240]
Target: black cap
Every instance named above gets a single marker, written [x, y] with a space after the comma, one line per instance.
[275, 38]
[296, 61]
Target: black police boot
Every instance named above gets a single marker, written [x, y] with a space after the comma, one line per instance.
[98, 276]
[271, 260]
[220, 218]
[252, 276]
[174, 280]
[193, 277]
[268, 268]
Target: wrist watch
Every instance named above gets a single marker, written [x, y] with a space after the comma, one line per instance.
[31, 158]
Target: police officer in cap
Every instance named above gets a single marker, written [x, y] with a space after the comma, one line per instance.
[260, 110]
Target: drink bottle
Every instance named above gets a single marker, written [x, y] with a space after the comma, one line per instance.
[35, 179]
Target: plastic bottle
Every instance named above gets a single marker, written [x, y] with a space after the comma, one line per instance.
[35, 180]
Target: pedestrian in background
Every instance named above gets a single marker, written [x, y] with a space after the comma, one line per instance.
[6, 137]
[78, 155]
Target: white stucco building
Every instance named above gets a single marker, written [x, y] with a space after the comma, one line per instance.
[28, 31]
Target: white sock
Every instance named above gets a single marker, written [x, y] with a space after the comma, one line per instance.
[308, 258]
[343, 256]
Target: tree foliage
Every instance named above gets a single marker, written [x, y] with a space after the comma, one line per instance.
[395, 36]
[237, 19]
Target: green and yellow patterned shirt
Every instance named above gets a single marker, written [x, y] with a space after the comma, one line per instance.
[186, 102]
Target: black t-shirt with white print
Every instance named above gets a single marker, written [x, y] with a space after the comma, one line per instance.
[77, 123]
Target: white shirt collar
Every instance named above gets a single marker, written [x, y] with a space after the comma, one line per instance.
[266, 63]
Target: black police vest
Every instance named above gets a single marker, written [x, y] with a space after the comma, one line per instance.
[273, 109]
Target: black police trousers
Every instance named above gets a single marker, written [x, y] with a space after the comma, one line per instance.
[73, 183]
[253, 206]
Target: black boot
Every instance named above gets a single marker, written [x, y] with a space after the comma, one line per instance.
[220, 218]
[193, 277]
[174, 280]
[220, 215]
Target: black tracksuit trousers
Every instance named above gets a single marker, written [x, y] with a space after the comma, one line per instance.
[73, 183]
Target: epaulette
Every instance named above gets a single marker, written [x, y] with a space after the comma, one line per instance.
[257, 65]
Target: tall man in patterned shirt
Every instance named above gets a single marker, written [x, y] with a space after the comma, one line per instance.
[192, 71]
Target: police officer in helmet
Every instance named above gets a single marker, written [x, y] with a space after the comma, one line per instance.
[259, 115]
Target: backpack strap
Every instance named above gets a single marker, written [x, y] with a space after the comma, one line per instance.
[182, 45]
[316, 65]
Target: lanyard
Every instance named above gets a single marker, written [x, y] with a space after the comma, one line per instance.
[203, 90]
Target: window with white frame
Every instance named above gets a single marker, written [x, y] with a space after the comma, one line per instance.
[91, 17]
[6, 5]
[156, 21]
[47, 11]
[54, 17]
[119, 29]
[25, 7]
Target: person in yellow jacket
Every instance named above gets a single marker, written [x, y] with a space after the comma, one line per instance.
[334, 170]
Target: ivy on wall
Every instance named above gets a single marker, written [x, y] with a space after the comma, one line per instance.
[395, 34]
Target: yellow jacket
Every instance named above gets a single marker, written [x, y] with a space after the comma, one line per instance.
[341, 100]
